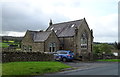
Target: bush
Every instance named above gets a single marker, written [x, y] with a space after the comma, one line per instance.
[101, 51]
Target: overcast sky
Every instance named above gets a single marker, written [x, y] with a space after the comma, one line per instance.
[21, 15]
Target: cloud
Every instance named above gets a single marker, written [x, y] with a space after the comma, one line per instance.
[11, 33]
[21, 15]
[17, 18]
[106, 28]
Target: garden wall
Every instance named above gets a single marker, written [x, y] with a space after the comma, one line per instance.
[25, 56]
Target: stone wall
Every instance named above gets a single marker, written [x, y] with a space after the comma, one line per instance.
[38, 47]
[25, 56]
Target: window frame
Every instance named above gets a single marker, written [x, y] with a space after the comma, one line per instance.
[84, 40]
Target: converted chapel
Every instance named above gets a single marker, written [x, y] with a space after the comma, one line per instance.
[74, 35]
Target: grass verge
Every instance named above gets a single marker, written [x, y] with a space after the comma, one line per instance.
[110, 60]
[31, 68]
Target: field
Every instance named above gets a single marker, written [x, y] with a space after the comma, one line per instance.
[3, 45]
[31, 68]
[9, 43]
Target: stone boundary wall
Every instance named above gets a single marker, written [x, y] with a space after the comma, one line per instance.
[26, 56]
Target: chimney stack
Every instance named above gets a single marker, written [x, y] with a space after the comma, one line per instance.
[50, 23]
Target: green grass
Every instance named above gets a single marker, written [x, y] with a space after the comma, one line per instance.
[110, 60]
[31, 68]
[11, 41]
[3, 45]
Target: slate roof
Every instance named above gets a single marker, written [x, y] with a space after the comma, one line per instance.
[41, 36]
[32, 32]
[65, 29]
[38, 36]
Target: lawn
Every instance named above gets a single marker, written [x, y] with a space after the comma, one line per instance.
[110, 60]
[32, 68]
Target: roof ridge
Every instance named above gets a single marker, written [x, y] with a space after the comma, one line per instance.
[68, 21]
[43, 31]
[38, 31]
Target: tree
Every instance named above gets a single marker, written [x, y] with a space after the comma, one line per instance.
[102, 48]
[117, 45]
[105, 48]
[96, 49]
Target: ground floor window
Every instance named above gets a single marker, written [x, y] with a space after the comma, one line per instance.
[61, 46]
[30, 48]
[52, 47]
[84, 46]
[27, 48]
[24, 48]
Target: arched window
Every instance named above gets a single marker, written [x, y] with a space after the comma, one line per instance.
[84, 40]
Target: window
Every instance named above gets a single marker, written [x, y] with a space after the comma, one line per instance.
[52, 47]
[63, 52]
[72, 25]
[24, 48]
[30, 48]
[27, 48]
[61, 46]
[84, 40]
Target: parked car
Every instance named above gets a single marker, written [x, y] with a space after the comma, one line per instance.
[63, 55]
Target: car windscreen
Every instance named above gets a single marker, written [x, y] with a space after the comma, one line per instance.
[61, 52]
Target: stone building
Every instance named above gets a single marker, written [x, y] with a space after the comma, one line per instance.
[75, 36]
[40, 41]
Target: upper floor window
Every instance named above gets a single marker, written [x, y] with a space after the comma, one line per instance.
[84, 40]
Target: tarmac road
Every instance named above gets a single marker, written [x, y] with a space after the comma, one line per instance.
[88, 69]
[99, 68]
[109, 69]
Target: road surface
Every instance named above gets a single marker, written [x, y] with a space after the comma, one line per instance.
[92, 69]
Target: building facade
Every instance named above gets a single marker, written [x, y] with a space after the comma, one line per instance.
[75, 36]
[40, 41]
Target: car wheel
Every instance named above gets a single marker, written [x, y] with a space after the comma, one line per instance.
[64, 59]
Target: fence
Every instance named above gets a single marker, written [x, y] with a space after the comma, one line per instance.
[25, 56]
